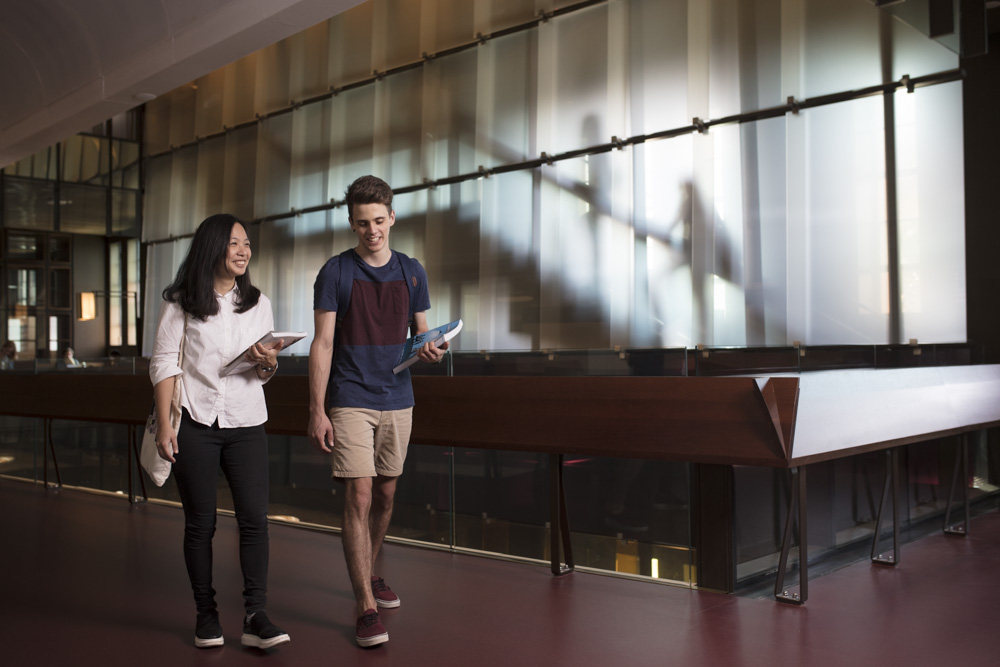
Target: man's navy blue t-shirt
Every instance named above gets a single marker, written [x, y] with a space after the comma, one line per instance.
[370, 335]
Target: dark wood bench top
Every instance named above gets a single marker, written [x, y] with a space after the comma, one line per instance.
[779, 421]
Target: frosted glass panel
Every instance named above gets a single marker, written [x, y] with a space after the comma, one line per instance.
[156, 203]
[841, 46]
[505, 293]
[183, 112]
[183, 209]
[310, 155]
[351, 35]
[505, 13]
[308, 76]
[156, 137]
[447, 244]
[162, 262]
[274, 157]
[665, 298]
[210, 187]
[581, 81]
[272, 83]
[504, 108]
[845, 249]
[450, 123]
[930, 176]
[658, 50]
[240, 172]
[727, 220]
[449, 25]
[770, 248]
[239, 92]
[576, 251]
[397, 39]
[352, 122]
[399, 103]
[209, 100]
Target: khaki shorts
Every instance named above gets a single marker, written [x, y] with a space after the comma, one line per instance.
[367, 443]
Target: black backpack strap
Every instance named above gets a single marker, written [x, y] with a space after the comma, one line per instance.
[409, 267]
[345, 283]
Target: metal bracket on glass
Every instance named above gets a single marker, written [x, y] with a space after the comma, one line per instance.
[561, 551]
[796, 504]
[891, 473]
[961, 467]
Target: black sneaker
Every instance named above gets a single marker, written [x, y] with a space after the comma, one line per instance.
[259, 631]
[208, 632]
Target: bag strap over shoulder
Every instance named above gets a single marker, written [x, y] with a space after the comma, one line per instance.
[409, 267]
[345, 283]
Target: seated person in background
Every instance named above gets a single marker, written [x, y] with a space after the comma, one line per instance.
[67, 360]
[8, 353]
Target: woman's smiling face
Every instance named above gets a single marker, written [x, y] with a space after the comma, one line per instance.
[237, 257]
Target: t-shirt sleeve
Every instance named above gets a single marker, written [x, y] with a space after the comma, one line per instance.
[325, 287]
[422, 299]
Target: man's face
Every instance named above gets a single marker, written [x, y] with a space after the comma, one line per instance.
[371, 222]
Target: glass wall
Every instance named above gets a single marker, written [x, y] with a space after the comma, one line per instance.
[843, 503]
[85, 186]
[553, 183]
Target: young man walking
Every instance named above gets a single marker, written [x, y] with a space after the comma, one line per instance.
[373, 298]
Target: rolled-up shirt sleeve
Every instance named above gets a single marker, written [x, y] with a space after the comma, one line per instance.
[169, 332]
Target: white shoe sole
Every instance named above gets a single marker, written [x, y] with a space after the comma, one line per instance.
[257, 642]
[372, 641]
[209, 643]
[389, 605]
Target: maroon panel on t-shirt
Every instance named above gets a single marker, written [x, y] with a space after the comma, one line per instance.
[377, 315]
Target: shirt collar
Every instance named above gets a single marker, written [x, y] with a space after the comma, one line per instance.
[230, 295]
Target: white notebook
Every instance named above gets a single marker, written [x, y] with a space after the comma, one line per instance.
[240, 364]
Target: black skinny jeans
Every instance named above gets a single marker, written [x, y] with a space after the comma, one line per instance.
[241, 453]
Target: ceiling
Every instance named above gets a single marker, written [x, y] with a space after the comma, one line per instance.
[68, 65]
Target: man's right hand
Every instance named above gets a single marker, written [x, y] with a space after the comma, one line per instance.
[321, 432]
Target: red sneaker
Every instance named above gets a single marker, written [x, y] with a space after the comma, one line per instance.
[384, 597]
[370, 631]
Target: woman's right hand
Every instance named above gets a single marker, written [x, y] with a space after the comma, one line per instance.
[166, 441]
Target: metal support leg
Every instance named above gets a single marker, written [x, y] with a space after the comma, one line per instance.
[559, 521]
[891, 472]
[133, 464]
[796, 501]
[961, 468]
[48, 446]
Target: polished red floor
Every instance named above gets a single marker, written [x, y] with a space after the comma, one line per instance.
[89, 580]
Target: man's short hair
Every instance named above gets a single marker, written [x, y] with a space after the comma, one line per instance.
[368, 190]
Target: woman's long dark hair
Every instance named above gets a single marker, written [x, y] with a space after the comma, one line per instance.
[194, 287]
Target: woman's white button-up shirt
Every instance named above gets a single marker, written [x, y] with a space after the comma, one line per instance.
[235, 400]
